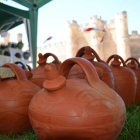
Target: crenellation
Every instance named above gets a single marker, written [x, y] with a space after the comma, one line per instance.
[121, 15]
[74, 23]
[99, 17]
[111, 24]
[68, 24]
[87, 25]
[134, 34]
[48, 45]
[60, 44]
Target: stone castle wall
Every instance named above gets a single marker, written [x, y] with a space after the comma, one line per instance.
[117, 39]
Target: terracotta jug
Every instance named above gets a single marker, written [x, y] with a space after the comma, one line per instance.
[125, 79]
[39, 75]
[135, 66]
[90, 55]
[76, 109]
[15, 96]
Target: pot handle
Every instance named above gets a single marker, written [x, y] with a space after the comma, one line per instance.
[46, 55]
[81, 50]
[87, 67]
[93, 51]
[90, 73]
[112, 56]
[133, 58]
[21, 77]
[28, 67]
[22, 63]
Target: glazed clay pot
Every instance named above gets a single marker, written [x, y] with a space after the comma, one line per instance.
[90, 55]
[15, 96]
[125, 79]
[135, 66]
[76, 109]
[39, 75]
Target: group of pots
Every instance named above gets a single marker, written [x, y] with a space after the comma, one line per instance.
[79, 99]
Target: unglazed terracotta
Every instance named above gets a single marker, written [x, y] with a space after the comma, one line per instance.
[39, 75]
[76, 109]
[135, 66]
[15, 96]
[90, 55]
[77, 72]
[125, 79]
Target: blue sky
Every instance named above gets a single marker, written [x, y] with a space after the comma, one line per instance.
[54, 15]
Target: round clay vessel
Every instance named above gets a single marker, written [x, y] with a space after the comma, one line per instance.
[135, 66]
[39, 75]
[125, 79]
[15, 96]
[90, 55]
[76, 109]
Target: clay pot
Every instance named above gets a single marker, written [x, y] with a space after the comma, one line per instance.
[39, 75]
[76, 109]
[125, 79]
[135, 66]
[90, 55]
[15, 96]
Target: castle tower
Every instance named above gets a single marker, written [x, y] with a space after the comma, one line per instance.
[5, 40]
[96, 36]
[123, 47]
[71, 40]
[19, 37]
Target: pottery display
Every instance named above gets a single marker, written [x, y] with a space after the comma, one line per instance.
[90, 55]
[135, 66]
[39, 75]
[15, 96]
[125, 79]
[76, 109]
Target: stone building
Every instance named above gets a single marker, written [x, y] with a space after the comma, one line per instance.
[116, 41]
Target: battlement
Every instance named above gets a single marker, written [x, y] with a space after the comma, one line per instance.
[74, 23]
[111, 24]
[57, 44]
[134, 34]
[122, 15]
[95, 19]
